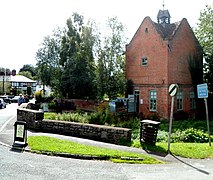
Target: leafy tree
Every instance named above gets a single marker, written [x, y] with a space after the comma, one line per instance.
[29, 68]
[66, 60]
[4, 84]
[76, 59]
[204, 33]
[26, 74]
[48, 66]
[111, 61]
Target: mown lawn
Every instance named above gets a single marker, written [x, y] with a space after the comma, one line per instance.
[44, 144]
[189, 137]
[187, 150]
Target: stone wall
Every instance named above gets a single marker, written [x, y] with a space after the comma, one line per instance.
[33, 118]
[102, 133]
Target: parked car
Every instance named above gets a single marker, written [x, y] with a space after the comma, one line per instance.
[15, 99]
[6, 99]
[2, 104]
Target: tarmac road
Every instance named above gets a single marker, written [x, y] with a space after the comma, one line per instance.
[25, 165]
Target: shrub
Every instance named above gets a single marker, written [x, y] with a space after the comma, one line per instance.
[162, 136]
[38, 96]
[131, 123]
[135, 135]
[95, 118]
[52, 105]
[188, 135]
[195, 135]
[51, 116]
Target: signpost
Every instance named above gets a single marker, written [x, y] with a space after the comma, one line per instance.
[202, 92]
[173, 89]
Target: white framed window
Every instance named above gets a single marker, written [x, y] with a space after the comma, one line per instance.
[144, 61]
[153, 100]
[192, 100]
[180, 101]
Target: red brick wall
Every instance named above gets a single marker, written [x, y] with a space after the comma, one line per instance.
[165, 66]
[182, 46]
[162, 101]
[147, 44]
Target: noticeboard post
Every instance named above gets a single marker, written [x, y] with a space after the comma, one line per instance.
[202, 92]
[20, 134]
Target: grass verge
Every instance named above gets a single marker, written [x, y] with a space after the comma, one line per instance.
[44, 144]
[187, 150]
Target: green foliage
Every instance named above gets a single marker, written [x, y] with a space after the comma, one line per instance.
[111, 61]
[66, 60]
[72, 117]
[96, 118]
[185, 135]
[26, 74]
[162, 136]
[195, 135]
[6, 88]
[101, 118]
[47, 56]
[52, 105]
[38, 96]
[29, 71]
[204, 30]
[204, 34]
[77, 61]
[185, 124]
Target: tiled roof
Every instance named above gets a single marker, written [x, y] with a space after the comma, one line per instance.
[20, 78]
[163, 13]
[167, 31]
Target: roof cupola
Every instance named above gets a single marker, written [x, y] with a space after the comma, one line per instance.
[163, 16]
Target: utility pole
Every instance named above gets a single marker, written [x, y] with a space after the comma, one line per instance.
[5, 80]
[3, 85]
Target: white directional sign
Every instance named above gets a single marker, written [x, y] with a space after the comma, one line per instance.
[202, 90]
[173, 88]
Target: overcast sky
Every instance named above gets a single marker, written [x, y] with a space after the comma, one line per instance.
[24, 23]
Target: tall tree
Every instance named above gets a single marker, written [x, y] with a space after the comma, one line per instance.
[204, 33]
[47, 56]
[29, 68]
[111, 61]
[76, 59]
[26, 74]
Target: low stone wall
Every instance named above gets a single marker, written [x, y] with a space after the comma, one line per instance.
[109, 134]
[33, 118]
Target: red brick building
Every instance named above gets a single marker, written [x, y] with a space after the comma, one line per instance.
[158, 55]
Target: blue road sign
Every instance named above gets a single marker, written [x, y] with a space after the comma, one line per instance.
[202, 90]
